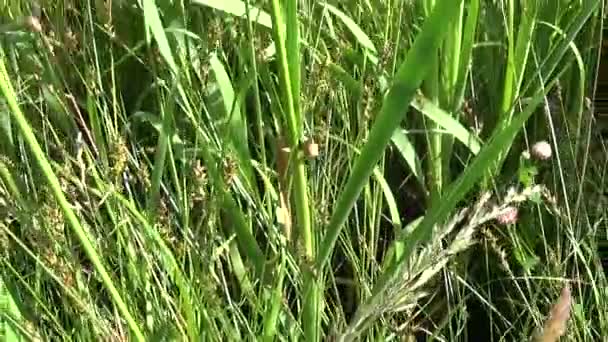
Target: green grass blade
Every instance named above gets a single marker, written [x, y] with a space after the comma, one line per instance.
[235, 121]
[9, 307]
[409, 77]
[407, 151]
[160, 155]
[519, 47]
[468, 42]
[292, 46]
[361, 36]
[447, 122]
[155, 26]
[286, 38]
[239, 9]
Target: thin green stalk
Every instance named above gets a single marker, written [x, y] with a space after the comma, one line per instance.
[452, 55]
[256, 88]
[290, 86]
[518, 49]
[162, 147]
[434, 137]
[510, 70]
[293, 56]
[30, 138]
[276, 302]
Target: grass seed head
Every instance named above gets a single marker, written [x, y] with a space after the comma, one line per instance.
[509, 216]
[541, 150]
[33, 24]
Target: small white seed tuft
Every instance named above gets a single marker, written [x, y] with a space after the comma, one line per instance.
[541, 150]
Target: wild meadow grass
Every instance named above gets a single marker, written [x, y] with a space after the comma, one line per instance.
[284, 170]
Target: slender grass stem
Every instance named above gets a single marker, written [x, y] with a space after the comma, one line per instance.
[287, 47]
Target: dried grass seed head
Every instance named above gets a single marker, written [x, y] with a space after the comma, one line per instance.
[541, 150]
[508, 216]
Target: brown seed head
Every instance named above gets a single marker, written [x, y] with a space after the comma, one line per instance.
[33, 24]
[311, 149]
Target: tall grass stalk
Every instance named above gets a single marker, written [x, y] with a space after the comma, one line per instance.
[286, 37]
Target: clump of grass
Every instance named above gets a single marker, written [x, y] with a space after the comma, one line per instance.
[298, 170]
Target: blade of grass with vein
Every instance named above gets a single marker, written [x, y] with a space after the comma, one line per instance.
[459, 48]
[25, 129]
[468, 41]
[407, 80]
[431, 87]
[292, 46]
[155, 29]
[518, 57]
[7, 146]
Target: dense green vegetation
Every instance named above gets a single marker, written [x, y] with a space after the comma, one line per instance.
[284, 170]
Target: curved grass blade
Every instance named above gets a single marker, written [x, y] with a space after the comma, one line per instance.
[407, 151]
[155, 27]
[361, 37]
[447, 122]
[235, 121]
